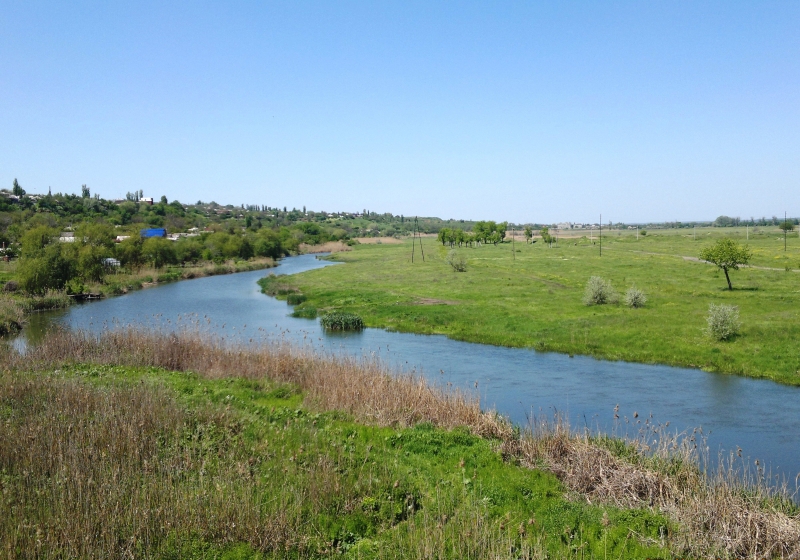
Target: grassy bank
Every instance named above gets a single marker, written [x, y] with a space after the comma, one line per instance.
[14, 305]
[533, 298]
[145, 445]
[122, 283]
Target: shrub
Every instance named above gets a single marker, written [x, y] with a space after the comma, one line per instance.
[635, 297]
[340, 321]
[723, 321]
[643, 232]
[295, 299]
[457, 261]
[599, 292]
[10, 286]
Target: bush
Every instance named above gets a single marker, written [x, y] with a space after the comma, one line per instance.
[723, 321]
[599, 292]
[10, 286]
[295, 299]
[635, 297]
[457, 261]
[340, 321]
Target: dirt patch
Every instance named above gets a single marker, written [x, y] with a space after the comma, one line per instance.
[329, 247]
[379, 240]
[432, 301]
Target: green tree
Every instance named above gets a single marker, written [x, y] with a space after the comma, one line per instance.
[727, 255]
[158, 251]
[787, 226]
[546, 237]
[528, 234]
[129, 253]
[17, 190]
[85, 192]
[44, 263]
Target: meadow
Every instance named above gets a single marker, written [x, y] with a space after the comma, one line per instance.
[147, 445]
[532, 296]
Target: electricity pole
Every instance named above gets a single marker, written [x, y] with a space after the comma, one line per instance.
[601, 235]
[784, 231]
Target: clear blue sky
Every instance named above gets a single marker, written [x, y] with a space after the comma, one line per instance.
[530, 111]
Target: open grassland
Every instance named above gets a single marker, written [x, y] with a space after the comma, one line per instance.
[152, 445]
[533, 297]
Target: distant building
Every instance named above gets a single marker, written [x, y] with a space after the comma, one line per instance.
[110, 263]
[121, 238]
[147, 200]
[67, 237]
[153, 232]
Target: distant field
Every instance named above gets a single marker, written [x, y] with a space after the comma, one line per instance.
[534, 299]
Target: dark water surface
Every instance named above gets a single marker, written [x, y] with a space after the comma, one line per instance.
[760, 417]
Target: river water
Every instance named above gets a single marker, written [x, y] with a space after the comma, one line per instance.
[760, 417]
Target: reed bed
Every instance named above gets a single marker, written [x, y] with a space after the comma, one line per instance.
[11, 315]
[726, 513]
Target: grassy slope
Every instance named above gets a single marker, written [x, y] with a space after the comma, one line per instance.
[535, 300]
[337, 488]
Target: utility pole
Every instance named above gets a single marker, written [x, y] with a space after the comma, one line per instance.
[601, 235]
[637, 233]
[694, 233]
[784, 231]
[513, 253]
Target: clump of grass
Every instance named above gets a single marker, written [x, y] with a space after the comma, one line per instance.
[341, 321]
[722, 322]
[295, 299]
[274, 285]
[635, 297]
[12, 315]
[51, 299]
[305, 311]
[599, 292]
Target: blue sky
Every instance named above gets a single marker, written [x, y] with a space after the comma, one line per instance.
[527, 111]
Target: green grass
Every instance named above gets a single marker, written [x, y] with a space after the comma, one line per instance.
[534, 300]
[356, 491]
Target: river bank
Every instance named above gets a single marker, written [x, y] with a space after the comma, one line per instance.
[14, 306]
[419, 468]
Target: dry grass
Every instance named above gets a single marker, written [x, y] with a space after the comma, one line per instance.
[329, 247]
[379, 240]
[364, 388]
[728, 512]
[112, 473]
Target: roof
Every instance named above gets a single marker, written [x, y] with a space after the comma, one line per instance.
[154, 232]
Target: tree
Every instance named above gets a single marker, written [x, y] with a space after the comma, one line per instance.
[787, 226]
[546, 237]
[727, 255]
[85, 192]
[528, 234]
[17, 190]
[158, 251]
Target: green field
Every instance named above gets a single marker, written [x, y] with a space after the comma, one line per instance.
[532, 297]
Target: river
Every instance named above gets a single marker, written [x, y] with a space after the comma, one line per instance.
[760, 417]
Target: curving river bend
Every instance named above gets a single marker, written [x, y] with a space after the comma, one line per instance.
[760, 417]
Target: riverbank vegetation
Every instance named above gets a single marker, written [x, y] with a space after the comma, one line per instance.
[532, 296]
[181, 446]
